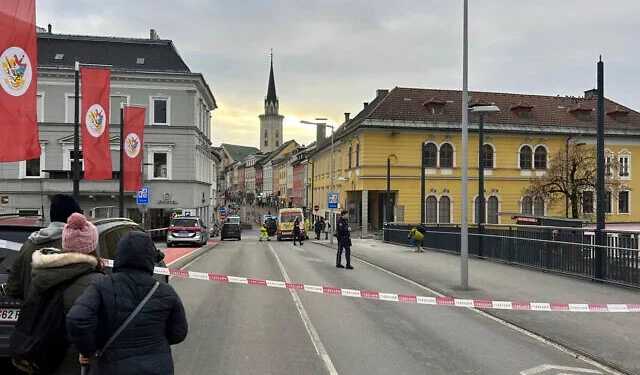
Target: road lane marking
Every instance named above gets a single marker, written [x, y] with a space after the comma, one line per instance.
[311, 330]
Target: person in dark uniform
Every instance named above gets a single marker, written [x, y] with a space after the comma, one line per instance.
[344, 240]
[297, 233]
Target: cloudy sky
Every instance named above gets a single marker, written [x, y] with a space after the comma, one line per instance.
[331, 55]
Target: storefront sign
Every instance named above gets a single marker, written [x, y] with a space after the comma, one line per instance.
[167, 198]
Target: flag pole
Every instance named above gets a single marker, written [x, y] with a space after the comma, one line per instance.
[121, 159]
[76, 138]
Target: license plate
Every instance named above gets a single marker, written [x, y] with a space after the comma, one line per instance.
[183, 234]
[9, 315]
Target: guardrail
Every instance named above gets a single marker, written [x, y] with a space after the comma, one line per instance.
[564, 250]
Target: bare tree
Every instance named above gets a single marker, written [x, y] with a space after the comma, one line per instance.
[556, 184]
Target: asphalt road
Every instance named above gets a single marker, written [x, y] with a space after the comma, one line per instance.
[244, 329]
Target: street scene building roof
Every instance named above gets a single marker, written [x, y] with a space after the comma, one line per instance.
[238, 153]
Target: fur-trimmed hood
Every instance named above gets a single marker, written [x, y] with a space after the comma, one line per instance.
[52, 267]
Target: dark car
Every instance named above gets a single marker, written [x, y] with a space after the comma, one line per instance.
[230, 230]
[272, 225]
[187, 230]
[15, 230]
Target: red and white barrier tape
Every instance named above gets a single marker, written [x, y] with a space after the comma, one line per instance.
[407, 298]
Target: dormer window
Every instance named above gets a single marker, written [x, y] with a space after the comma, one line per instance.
[59, 56]
[620, 115]
[140, 61]
[582, 113]
[435, 105]
[523, 110]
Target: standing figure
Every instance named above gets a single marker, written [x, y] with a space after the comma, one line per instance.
[297, 232]
[344, 240]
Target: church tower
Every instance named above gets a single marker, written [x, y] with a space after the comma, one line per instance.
[271, 121]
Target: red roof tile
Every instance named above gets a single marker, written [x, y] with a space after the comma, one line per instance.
[409, 104]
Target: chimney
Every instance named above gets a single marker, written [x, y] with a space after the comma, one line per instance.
[366, 104]
[591, 94]
[321, 131]
[49, 28]
[153, 35]
[346, 116]
[381, 92]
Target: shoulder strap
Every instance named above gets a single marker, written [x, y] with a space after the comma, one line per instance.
[129, 319]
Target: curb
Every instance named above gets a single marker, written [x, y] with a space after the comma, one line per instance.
[183, 261]
[563, 344]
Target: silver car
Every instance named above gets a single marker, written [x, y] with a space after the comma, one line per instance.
[187, 230]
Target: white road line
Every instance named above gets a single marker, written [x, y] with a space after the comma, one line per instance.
[503, 322]
[313, 334]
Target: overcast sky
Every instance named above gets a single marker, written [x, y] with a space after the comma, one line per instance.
[331, 55]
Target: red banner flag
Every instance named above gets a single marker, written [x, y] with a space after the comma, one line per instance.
[18, 79]
[134, 132]
[96, 86]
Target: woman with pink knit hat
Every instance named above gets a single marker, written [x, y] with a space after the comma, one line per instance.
[77, 263]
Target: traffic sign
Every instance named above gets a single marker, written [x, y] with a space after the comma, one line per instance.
[316, 208]
[333, 199]
[223, 210]
[142, 196]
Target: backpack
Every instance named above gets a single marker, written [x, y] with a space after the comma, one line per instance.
[422, 229]
[39, 340]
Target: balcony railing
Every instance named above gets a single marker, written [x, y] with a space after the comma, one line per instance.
[68, 175]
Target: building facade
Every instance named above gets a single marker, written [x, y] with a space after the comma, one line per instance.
[519, 143]
[145, 72]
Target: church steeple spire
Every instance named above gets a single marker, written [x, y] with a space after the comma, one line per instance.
[271, 102]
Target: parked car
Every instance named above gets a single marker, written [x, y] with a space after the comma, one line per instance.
[187, 230]
[15, 230]
[230, 230]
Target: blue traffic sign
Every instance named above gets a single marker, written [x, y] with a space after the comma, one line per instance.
[223, 210]
[142, 196]
[332, 200]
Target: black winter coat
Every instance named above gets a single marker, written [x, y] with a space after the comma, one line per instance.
[144, 346]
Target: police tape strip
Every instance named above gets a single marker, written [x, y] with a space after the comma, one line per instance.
[406, 298]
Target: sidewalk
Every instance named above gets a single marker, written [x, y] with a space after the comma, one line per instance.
[611, 338]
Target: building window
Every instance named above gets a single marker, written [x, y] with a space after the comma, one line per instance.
[587, 202]
[488, 156]
[160, 165]
[266, 134]
[525, 113]
[277, 143]
[526, 206]
[80, 158]
[607, 202]
[357, 154]
[444, 210]
[430, 155]
[437, 110]
[492, 210]
[540, 158]
[538, 206]
[622, 117]
[160, 161]
[526, 156]
[446, 156]
[69, 108]
[160, 110]
[623, 168]
[608, 165]
[33, 168]
[584, 116]
[623, 202]
[350, 158]
[432, 209]
[40, 107]
[266, 143]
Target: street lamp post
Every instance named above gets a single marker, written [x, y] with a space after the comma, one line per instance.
[464, 193]
[323, 122]
[481, 111]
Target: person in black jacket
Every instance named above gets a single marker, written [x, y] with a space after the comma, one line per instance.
[344, 240]
[297, 232]
[143, 347]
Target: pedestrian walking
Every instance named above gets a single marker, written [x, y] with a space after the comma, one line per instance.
[318, 227]
[70, 271]
[415, 239]
[344, 240]
[19, 278]
[125, 323]
[297, 231]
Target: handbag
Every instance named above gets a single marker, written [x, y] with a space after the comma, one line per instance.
[124, 325]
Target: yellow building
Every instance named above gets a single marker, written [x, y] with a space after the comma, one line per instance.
[519, 142]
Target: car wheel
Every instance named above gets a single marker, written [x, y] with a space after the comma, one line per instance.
[221, 238]
[168, 244]
[239, 238]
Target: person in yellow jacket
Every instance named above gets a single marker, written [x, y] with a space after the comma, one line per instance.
[264, 234]
[307, 225]
[415, 239]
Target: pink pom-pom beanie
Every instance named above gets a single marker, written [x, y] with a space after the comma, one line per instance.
[79, 235]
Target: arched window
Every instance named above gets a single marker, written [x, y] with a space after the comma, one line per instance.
[526, 155]
[444, 210]
[277, 134]
[430, 155]
[538, 206]
[446, 156]
[432, 209]
[350, 156]
[540, 159]
[488, 156]
[357, 154]
[527, 206]
[266, 133]
[492, 210]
